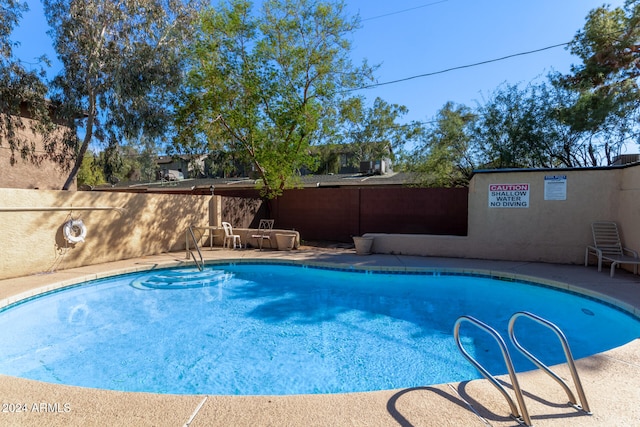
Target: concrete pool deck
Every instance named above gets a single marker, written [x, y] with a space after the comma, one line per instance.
[611, 380]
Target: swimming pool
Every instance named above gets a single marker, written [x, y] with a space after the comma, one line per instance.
[285, 329]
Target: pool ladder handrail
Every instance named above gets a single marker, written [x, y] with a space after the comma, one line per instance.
[190, 253]
[567, 352]
[522, 416]
[524, 419]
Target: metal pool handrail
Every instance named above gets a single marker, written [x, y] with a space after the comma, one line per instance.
[539, 364]
[195, 242]
[524, 419]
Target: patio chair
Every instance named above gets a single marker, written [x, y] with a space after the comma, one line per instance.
[264, 232]
[607, 247]
[229, 237]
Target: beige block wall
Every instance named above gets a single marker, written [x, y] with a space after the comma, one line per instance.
[32, 239]
[548, 230]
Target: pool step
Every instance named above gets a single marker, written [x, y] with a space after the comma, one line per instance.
[182, 279]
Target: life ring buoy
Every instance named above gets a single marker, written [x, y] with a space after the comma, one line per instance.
[74, 231]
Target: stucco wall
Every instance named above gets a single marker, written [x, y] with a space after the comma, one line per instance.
[628, 210]
[32, 240]
[42, 173]
[547, 230]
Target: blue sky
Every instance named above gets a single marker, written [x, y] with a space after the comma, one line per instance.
[452, 33]
[414, 37]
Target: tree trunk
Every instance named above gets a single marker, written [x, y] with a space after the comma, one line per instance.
[85, 143]
[78, 163]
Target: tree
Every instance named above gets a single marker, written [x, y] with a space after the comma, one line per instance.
[608, 101]
[509, 129]
[373, 133]
[146, 155]
[565, 145]
[328, 158]
[129, 161]
[446, 158]
[90, 172]
[609, 47]
[536, 127]
[121, 62]
[268, 86]
[22, 92]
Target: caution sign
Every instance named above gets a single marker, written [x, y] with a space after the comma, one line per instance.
[508, 195]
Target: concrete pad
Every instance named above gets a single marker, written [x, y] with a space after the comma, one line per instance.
[437, 406]
[34, 403]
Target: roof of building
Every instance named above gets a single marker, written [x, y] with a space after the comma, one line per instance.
[306, 181]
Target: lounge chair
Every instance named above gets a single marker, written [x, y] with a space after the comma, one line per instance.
[264, 232]
[229, 237]
[607, 247]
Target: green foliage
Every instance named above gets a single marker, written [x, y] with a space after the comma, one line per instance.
[609, 47]
[328, 158]
[90, 172]
[135, 161]
[266, 86]
[122, 62]
[537, 126]
[608, 101]
[514, 129]
[446, 158]
[373, 133]
[22, 93]
[112, 162]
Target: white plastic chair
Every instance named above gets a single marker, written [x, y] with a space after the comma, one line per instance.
[229, 237]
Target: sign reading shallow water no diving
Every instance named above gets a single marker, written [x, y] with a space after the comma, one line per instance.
[508, 195]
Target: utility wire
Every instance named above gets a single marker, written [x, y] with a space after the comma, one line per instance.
[402, 11]
[475, 64]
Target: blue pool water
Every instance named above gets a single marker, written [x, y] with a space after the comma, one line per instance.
[252, 329]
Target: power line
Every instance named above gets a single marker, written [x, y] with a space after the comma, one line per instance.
[475, 64]
[402, 11]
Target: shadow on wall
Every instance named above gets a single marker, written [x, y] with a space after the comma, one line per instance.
[146, 225]
[152, 225]
[241, 212]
